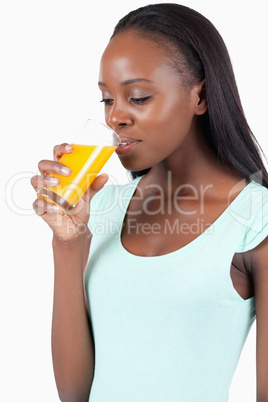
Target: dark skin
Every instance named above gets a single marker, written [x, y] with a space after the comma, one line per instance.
[172, 140]
[163, 115]
[171, 143]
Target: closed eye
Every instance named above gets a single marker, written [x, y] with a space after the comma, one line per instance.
[107, 101]
[140, 101]
[137, 101]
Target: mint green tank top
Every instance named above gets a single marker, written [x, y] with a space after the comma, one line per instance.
[169, 328]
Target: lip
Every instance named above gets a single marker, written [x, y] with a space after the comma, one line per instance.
[125, 149]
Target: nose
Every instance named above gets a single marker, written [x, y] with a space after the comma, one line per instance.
[118, 116]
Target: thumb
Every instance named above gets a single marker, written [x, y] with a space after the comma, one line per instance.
[96, 186]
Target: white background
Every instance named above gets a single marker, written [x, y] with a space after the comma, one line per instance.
[50, 53]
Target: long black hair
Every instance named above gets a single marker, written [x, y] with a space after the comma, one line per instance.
[201, 52]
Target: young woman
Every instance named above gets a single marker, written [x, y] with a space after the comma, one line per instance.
[174, 264]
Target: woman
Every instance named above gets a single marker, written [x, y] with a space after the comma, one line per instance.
[177, 267]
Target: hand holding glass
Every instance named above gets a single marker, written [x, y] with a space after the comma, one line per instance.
[92, 148]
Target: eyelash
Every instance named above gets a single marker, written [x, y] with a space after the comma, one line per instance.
[107, 102]
[137, 101]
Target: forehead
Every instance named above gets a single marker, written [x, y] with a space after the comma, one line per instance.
[128, 54]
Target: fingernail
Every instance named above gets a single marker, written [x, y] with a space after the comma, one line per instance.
[68, 148]
[65, 170]
[53, 181]
[56, 208]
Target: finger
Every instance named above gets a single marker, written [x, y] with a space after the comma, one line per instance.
[46, 166]
[99, 182]
[43, 181]
[84, 203]
[96, 186]
[42, 207]
[61, 149]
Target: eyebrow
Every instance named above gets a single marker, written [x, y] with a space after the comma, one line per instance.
[128, 82]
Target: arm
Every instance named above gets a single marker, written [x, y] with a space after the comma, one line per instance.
[260, 281]
[72, 344]
[85, 258]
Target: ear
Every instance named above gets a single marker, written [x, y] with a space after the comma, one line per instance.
[201, 98]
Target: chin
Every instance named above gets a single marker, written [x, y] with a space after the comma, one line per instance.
[134, 166]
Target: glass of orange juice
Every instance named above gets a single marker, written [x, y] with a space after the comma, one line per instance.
[92, 148]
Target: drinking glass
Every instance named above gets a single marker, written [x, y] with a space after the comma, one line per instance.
[92, 148]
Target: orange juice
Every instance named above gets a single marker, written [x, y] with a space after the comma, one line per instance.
[85, 162]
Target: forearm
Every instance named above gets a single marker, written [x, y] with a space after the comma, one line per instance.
[72, 344]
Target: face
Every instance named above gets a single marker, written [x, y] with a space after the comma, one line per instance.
[145, 101]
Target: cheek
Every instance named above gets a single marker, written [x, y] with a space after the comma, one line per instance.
[168, 122]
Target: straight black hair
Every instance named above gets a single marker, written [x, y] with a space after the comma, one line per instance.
[202, 53]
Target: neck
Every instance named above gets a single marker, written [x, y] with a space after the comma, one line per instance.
[193, 164]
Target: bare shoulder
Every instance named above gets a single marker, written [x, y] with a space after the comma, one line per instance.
[257, 258]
